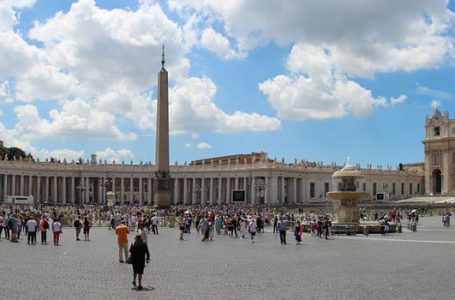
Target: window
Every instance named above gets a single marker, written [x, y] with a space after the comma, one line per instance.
[437, 131]
[339, 186]
[418, 188]
[393, 188]
[374, 188]
[436, 159]
[326, 187]
[312, 189]
[410, 188]
[364, 186]
[402, 188]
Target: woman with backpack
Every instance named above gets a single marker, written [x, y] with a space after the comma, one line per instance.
[87, 226]
[44, 226]
[57, 230]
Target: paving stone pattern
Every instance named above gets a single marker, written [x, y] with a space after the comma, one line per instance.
[359, 267]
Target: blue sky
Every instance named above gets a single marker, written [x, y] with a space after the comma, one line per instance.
[298, 79]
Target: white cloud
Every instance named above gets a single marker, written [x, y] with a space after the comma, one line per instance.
[220, 45]
[192, 110]
[204, 146]
[426, 91]
[188, 145]
[315, 89]
[60, 154]
[110, 154]
[76, 119]
[435, 104]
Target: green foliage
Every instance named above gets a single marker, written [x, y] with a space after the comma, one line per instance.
[13, 152]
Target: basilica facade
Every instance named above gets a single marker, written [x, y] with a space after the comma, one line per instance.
[439, 144]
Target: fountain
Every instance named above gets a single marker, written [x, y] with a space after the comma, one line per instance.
[346, 200]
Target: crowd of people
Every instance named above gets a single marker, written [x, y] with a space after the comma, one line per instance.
[232, 221]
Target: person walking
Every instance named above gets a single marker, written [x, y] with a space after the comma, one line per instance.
[87, 226]
[282, 226]
[154, 221]
[77, 226]
[139, 256]
[44, 226]
[252, 227]
[298, 233]
[182, 226]
[56, 230]
[32, 225]
[327, 225]
[122, 232]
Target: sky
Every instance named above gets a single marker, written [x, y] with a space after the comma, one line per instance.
[298, 79]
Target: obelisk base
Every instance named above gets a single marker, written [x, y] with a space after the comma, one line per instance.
[162, 193]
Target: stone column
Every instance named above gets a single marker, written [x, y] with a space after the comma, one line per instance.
[220, 194]
[294, 190]
[228, 191]
[100, 189]
[176, 191]
[211, 191]
[46, 190]
[141, 196]
[30, 182]
[63, 189]
[87, 190]
[150, 191]
[236, 183]
[203, 192]
[55, 196]
[13, 185]
[193, 192]
[38, 189]
[131, 189]
[253, 191]
[21, 185]
[185, 191]
[72, 190]
[283, 189]
[445, 173]
[5, 186]
[266, 190]
[122, 189]
[113, 186]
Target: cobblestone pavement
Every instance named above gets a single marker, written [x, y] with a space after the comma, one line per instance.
[417, 265]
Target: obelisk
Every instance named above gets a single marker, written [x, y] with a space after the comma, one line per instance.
[162, 178]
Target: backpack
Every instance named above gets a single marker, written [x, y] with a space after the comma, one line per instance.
[76, 223]
[46, 225]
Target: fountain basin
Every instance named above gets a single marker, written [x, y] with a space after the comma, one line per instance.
[347, 196]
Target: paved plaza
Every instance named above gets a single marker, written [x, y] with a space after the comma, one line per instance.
[417, 265]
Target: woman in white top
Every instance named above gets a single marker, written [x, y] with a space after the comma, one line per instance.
[57, 230]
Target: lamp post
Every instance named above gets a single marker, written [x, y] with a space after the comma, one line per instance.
[196, 190]
[81, 188]
[105, 183]
[259, 187]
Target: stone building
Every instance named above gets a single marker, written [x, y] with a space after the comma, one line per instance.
[439, 144]
[214, 180]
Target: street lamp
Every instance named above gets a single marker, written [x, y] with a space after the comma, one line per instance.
[259, 187]
[81, 189]
[196, 190]
[105, 183]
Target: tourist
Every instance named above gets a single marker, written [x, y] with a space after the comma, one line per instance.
[86, 225]
[2, 224]
[298, 233]
[13, 226]
[78, 226]
[122, 232]
[182, 226]
[282, 226]
[154, 222]
[252, 227]
[275, 223]
[143, 232]
[32, 225]
[327, 225]
[44, 226]
[139, 256]
[57, 230]
[204, 228]
[320, 227]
